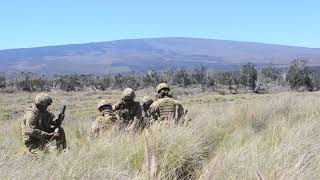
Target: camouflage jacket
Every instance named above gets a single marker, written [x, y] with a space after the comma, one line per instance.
[145, 113]
[102, 123]
[36, 124]
[166, 109]
[128, 112]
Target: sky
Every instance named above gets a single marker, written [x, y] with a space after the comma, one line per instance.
[34, 23]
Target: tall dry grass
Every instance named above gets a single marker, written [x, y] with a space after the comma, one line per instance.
[231, 137]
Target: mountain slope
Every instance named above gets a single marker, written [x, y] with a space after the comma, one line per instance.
[153, 53]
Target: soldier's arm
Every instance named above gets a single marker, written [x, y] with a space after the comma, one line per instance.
[153, 111]
[138, 111]
[52, 120]
[180, 111]
[94, 128]
[31, 127]
[117, 106]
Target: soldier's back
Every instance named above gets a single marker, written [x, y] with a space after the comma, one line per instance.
[128, 112]
[166, 109]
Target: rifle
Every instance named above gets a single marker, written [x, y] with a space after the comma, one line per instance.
[62, 113]
[58, 121]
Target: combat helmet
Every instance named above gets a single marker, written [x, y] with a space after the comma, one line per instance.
[147, 100]
[43, 98]
[128, 94]
[162, 86]
[104, 103]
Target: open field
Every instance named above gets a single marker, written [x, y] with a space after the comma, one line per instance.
[242, 136]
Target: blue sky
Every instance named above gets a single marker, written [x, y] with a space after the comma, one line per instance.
[33, 23]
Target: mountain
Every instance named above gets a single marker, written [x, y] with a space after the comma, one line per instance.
[152, 53]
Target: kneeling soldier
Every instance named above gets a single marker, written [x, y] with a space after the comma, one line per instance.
[39, 126]
[106, 120]
[128, 110]
[166, 108]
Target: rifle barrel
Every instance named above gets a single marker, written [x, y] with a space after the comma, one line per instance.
[63, 109]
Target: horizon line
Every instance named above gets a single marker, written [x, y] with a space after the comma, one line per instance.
[127, 39]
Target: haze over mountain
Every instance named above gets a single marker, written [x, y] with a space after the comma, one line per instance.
[152, 53]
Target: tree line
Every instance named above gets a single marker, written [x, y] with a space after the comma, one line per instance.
[298, 76]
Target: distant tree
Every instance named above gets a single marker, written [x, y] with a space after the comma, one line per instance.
[132, 81]
[211, 82]
[229, 79]
[167, 76]
[315, 79]
[2, 80]
[69, 82]
[39, 83]
[24, 81]
[87, 80]
[199, 76]
[119, 81]
[270, 73]
[151, 79]
[103, 82]
[248, 76]
[182, 78]
[225, 78]
[299, 75]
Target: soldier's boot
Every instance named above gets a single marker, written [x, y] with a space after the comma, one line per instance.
[61, 141]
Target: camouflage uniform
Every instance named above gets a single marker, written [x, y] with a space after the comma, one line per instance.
[128, 110]
[38, 125]
[166, 108]
[146, 103]
[106, 120]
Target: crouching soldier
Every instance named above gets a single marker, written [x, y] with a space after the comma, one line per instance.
[146, 103]
[105, 121]
[129, 111]
[166, 109]
[40, 128]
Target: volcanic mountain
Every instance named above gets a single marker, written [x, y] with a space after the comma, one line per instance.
[150, 54]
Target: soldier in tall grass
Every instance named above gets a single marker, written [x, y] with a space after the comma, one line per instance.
[39, 126]
[105, 121]
[166, 108]
[129, 111]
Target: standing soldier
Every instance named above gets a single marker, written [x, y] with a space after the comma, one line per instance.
[39, 126]
[166, 108]
[105, 121]
[129, 111]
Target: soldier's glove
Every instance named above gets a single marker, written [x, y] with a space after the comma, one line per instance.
[55, 133]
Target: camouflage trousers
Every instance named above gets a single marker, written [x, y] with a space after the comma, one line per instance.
[47, 145]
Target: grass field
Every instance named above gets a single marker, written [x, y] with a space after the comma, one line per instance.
[273, 136]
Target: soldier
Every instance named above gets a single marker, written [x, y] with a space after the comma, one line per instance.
[105, 121]
[129, 111]
[39, 126]
[146, 103]
[166, 108]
